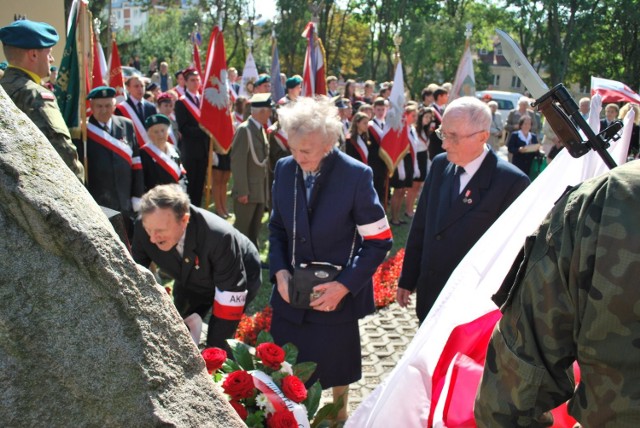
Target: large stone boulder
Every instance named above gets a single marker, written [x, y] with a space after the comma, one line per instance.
[87, 337]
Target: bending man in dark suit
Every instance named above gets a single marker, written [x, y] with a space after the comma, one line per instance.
[467, 189]
[213, 264]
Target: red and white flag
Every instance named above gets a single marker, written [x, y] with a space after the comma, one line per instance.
[215, 116]
[434, 383]
[465, 81]
[116, 78]
[98, 71]
[314, 81]
[613, 91]
[395, 142]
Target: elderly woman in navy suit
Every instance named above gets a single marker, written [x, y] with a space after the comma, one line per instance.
[326, 200]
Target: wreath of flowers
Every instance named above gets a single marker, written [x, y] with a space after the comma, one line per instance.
[266, 386]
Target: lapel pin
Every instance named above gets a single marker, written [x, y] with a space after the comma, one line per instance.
[467, 198]
[197, 262]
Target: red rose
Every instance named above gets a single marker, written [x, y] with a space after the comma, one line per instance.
[282, 419]
[214, 358]
[240, 409]
[239, 385]
[294, 389]
[271, 355]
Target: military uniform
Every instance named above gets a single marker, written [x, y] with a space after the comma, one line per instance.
[574, 297]
[40, 105]
[249, 165]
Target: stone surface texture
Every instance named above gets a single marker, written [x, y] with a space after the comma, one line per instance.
[87, 338]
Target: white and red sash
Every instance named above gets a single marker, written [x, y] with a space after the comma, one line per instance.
[377, 132]
[119, 147]
[164, 160]
[237, 119]
[179, 90]
[191, 106]
[172, 137]
[128, 112]
[281, 138]
[361, 147]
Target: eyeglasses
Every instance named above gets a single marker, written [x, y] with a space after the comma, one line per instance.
[453, 137]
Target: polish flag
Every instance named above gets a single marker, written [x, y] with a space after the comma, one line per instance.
[215, 117]
[434, 383]
[116, 78]
[314, 81]
[395, 142]
[613, 91]
[99, 65]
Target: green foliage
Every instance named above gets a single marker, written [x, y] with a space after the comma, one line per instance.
[304, 370]
[255, 419]
[313, 399]
[264, 337]
[328, 411]
[230, 366]
[241, 354]
[291, 353]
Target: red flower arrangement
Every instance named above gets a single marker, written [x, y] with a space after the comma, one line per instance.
[266, 387]
[214, 358]
[385, 285]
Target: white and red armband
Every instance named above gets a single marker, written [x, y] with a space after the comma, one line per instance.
[229, 305]
[377, 230]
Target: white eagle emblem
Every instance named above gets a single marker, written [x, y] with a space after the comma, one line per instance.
[218, 94]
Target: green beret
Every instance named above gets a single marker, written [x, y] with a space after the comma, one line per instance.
[265, 78]
[101, 92]
[27, 34]
[4, 65]
[261, 100]
[294, 81]
[157, 119]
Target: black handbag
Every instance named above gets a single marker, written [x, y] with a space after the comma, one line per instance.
[308, 275]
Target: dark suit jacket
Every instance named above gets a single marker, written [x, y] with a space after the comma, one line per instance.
[225, 260]
[194, 143]
[342, 198]
[442, 232]
[147, 108]
[112, 181]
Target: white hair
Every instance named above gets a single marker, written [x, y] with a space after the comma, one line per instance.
[475, 110]
[309, 115]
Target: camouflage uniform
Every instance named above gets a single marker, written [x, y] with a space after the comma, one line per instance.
[40, 105]
[575, 297]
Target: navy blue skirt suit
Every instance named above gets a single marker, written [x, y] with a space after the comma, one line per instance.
[343, 203]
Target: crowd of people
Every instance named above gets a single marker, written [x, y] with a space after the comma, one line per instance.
[316, 164]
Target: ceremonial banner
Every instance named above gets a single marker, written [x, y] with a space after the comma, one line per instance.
[249, 75]
[215, 117]
[465, 81]
[98, 58]
[72, 81]
[277, 91]
[612, 91]
[429, 387]
[395, 142]
[116, 78]
[313, 79]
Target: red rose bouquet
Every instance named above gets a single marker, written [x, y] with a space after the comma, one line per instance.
[266, 387]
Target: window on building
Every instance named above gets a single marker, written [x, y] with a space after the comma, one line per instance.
[498, 50]
[515, 82]
[496, 80]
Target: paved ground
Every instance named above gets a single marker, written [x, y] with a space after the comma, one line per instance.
[384, 336]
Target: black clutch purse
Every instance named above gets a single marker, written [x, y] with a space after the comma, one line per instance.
[305, 277]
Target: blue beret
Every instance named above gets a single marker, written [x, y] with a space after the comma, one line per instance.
[27, 34]
[156, 119]
[294, 81]
[265, 78]
[101, 92]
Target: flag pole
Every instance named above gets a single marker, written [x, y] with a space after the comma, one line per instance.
[81, 39]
